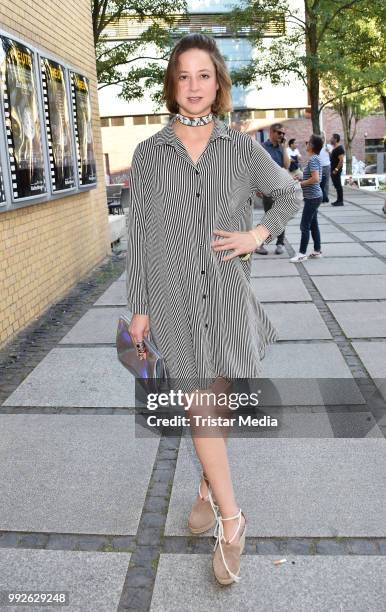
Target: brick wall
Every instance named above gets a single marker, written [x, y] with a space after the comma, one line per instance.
[373, 126]
[120, 142]
[47, 248]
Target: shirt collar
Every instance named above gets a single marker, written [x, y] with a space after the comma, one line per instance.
[168, 136]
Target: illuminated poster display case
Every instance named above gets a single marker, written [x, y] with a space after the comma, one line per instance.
[22, 122]
[83, 129]
[46, 137]
[58, 125]
[2, 191]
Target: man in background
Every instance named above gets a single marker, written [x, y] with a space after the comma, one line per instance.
[324, 157]
[337, 159]
[276, 147]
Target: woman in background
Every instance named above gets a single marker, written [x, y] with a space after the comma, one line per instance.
[313, 196]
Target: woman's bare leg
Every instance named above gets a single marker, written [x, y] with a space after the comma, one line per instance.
[211, 449]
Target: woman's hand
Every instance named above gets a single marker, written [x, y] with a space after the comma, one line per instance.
[139, 328]
[241, 242]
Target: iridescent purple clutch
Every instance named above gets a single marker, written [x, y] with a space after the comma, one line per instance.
[152, 370]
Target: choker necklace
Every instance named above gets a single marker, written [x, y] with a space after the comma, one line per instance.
[194, 121]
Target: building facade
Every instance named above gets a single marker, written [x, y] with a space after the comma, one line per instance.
[254, 108]
[125, 124]
[53, 213]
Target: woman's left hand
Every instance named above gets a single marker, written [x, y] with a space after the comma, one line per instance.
[241, 243]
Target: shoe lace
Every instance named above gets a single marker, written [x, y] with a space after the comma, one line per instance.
[219, 535]
[219, 528]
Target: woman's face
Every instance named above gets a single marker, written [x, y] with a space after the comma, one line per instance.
[196, 83]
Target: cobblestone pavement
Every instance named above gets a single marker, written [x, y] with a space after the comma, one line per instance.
[90, 508]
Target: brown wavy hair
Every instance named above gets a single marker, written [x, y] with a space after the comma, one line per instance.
[223, 101]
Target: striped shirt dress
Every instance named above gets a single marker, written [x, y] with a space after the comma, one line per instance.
[204, 317]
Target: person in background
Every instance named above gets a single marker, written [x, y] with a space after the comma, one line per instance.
[313, 195]
[275, 145]
[324, 157]
[337, 159]
[295, 157]
[384, 207]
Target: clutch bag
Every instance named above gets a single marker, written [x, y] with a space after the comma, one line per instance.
[152, 370]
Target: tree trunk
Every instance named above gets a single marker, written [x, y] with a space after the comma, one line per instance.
[383, 100]
[347, 140]
[312, 67]
[314, 99]
[348, 158]
[348, 116]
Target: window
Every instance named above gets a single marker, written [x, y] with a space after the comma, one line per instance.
[280, 113]
[139, 120]
[154, 119]
[105, 121]
[259, 114]
[107, 163]
[241, 115]
[372, 147]
[117, 121]
[131, 27]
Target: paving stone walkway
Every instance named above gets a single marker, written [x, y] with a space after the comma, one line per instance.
[89, 507]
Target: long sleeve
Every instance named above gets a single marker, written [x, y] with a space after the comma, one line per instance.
[136, 286]
[267, 177]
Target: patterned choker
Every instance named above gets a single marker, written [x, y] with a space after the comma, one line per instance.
[193, 121]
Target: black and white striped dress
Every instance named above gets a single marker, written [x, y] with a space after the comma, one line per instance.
[204, 317]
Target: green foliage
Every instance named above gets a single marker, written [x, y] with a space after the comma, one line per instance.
[329, 42]
[121, 62]
[354, 84]
[359, 70]
[335, 47]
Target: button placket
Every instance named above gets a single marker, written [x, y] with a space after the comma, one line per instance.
[203, 255]
[200, 208]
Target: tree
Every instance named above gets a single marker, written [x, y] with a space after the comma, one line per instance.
[354, 72]
[121, 62]
[351, 110]
[302, 50]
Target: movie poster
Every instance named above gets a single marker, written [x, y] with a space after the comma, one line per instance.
[83, 129]
[58, 125]
[24, 136]
[2, 192]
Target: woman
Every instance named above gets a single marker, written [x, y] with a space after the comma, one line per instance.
[313, 196]
[188, 260]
